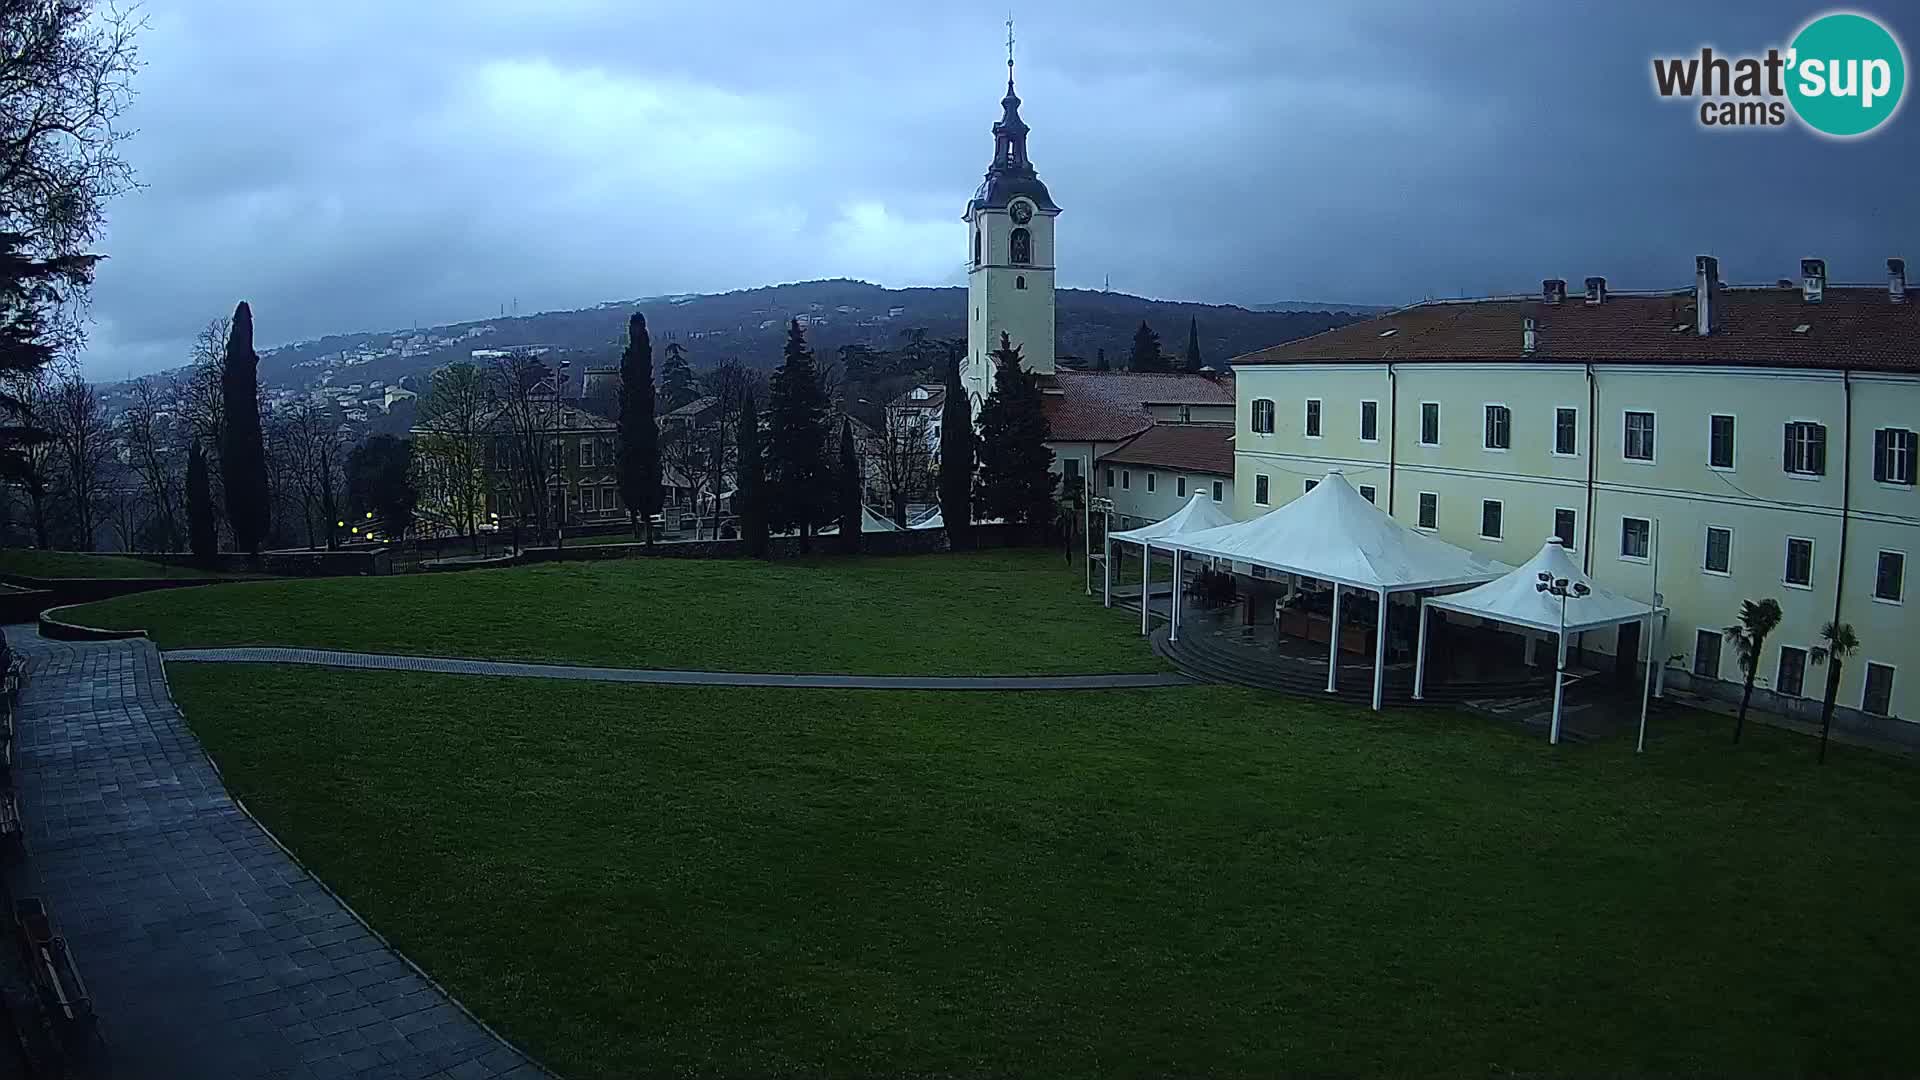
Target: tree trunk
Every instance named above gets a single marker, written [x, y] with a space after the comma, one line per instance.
[1740, 721]
[1826, 708]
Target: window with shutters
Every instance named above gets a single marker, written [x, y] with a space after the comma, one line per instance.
[1635, 534]
[1219, 490]
[1877, 700]
[1706, 654]
[1889, 576]
[1369, 421]
[1430, 423]
[1566, 428]
[1260, 489]
[1638, 437]
[1720, 441]
[1126, 479]
[1499, 434]
[1262, 418]
[1429, 510]
[1564, 521]
[1799, 571]
[586, 453]
[1180, 487]
[1792, 677]
[1313, 418]
[1806, 449]
[1719, 550]
[1490, 514]
[1152, 481]
[1893, 454]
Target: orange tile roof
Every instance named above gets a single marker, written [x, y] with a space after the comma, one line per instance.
[1203, 448]
[1110, 406]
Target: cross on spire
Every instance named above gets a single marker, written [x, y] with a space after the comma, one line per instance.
[1009, 48]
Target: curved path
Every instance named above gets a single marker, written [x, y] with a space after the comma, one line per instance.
[208, 950]
[442, 665]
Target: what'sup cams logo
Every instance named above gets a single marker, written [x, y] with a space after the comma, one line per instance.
[1842, 76]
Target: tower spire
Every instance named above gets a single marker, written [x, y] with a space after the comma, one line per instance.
[1009, 53]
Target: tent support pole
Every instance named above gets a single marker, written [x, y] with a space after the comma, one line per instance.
[1646, 691]
[1173, 602]
[1380, 653]
[1420, 656]
[1660, 675]
[1559, 687]
[1333, 643]
[1146, 583]
[1106, 573]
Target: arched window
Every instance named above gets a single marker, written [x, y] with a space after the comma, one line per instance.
[1020, 282]
[1022, 246]
[1262, 418]
[976, 247]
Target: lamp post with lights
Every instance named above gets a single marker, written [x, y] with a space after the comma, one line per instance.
[1561, 588]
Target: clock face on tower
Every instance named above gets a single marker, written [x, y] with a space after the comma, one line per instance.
[1022, 212]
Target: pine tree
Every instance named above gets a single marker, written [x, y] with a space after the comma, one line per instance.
[1100, 360]
[1194, 363]
[677, 386]
[1016, 468]
[750, 487]
[1146, 350]
[206, 543]
[799, 488]
[243, 459]
[639, 433]
[849, 491]
[956, 458]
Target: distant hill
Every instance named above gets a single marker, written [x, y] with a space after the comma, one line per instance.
[1290, 306]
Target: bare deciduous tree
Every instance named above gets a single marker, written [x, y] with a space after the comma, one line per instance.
[522, 395]
[148, 431]
[451, 432]
[82, 441]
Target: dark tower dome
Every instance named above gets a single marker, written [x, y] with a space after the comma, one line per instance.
[1011, 173]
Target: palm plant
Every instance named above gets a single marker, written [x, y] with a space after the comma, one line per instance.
[1749, 637]
[1838, 645]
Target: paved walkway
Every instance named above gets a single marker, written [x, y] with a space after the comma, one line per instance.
[208, 951]
[381, 661]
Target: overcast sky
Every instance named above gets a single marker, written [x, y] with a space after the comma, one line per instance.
[357, 165]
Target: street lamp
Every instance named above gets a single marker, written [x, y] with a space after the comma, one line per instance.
[1559, 587]
[1104, 507]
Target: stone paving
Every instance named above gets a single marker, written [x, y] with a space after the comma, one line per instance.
[210, 954]
[382, 661]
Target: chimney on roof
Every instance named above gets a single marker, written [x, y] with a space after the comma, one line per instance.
[1706, 298]
[1596, 291]
[1554, 290]
[1813, 280]
[1529, 337]
[1897, 280]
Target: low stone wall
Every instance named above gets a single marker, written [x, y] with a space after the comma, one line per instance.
[23, 605]
[53, 626]
[904, 542]
[349, 562]
[58, 591]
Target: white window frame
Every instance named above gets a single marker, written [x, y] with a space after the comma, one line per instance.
[1422, 433]
[1795, 473]
[1253, 416]
[587, 451]
[1896, 601]
[1364, 402]
[1313, 418]
[1262, 483]
[1419, 505]
[1370, 493]
[1486, 411]
[1912, 452]
[1720, 654]
[1706, 546]
[1502, 535]
[1553, 433]
[1648, 522]
[1653, 435]
[1735, 448]
[1893, 674]
[1786, 560]
[1574, 543]
[1779, 663]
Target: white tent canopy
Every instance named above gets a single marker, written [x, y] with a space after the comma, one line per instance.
[1200, 513]
[1549, 594]
[1335, 534]
[870, 522]
[935, 520]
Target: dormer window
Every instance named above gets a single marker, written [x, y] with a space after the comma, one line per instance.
[1022, 247]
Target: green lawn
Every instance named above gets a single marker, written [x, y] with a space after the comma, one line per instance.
[637, 880]
[74, 564]
[1003, 612]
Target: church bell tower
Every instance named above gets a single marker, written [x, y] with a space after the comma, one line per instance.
[1010, 255]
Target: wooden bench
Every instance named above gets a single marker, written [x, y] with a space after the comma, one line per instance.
[62, 993]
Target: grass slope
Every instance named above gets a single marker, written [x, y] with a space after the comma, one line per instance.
[729, 882]
[76, 564]
[1009, 612]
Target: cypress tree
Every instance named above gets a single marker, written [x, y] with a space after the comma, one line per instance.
[677, 386]
[1146, 350]
[1016, 477]
[800, 484]
[750, 487]
[1194, 363]
[849, 492]
[956, 458]
[243, 460]
[206, 543]
[639, 459]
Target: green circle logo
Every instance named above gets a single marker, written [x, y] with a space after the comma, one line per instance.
[1845, 74]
